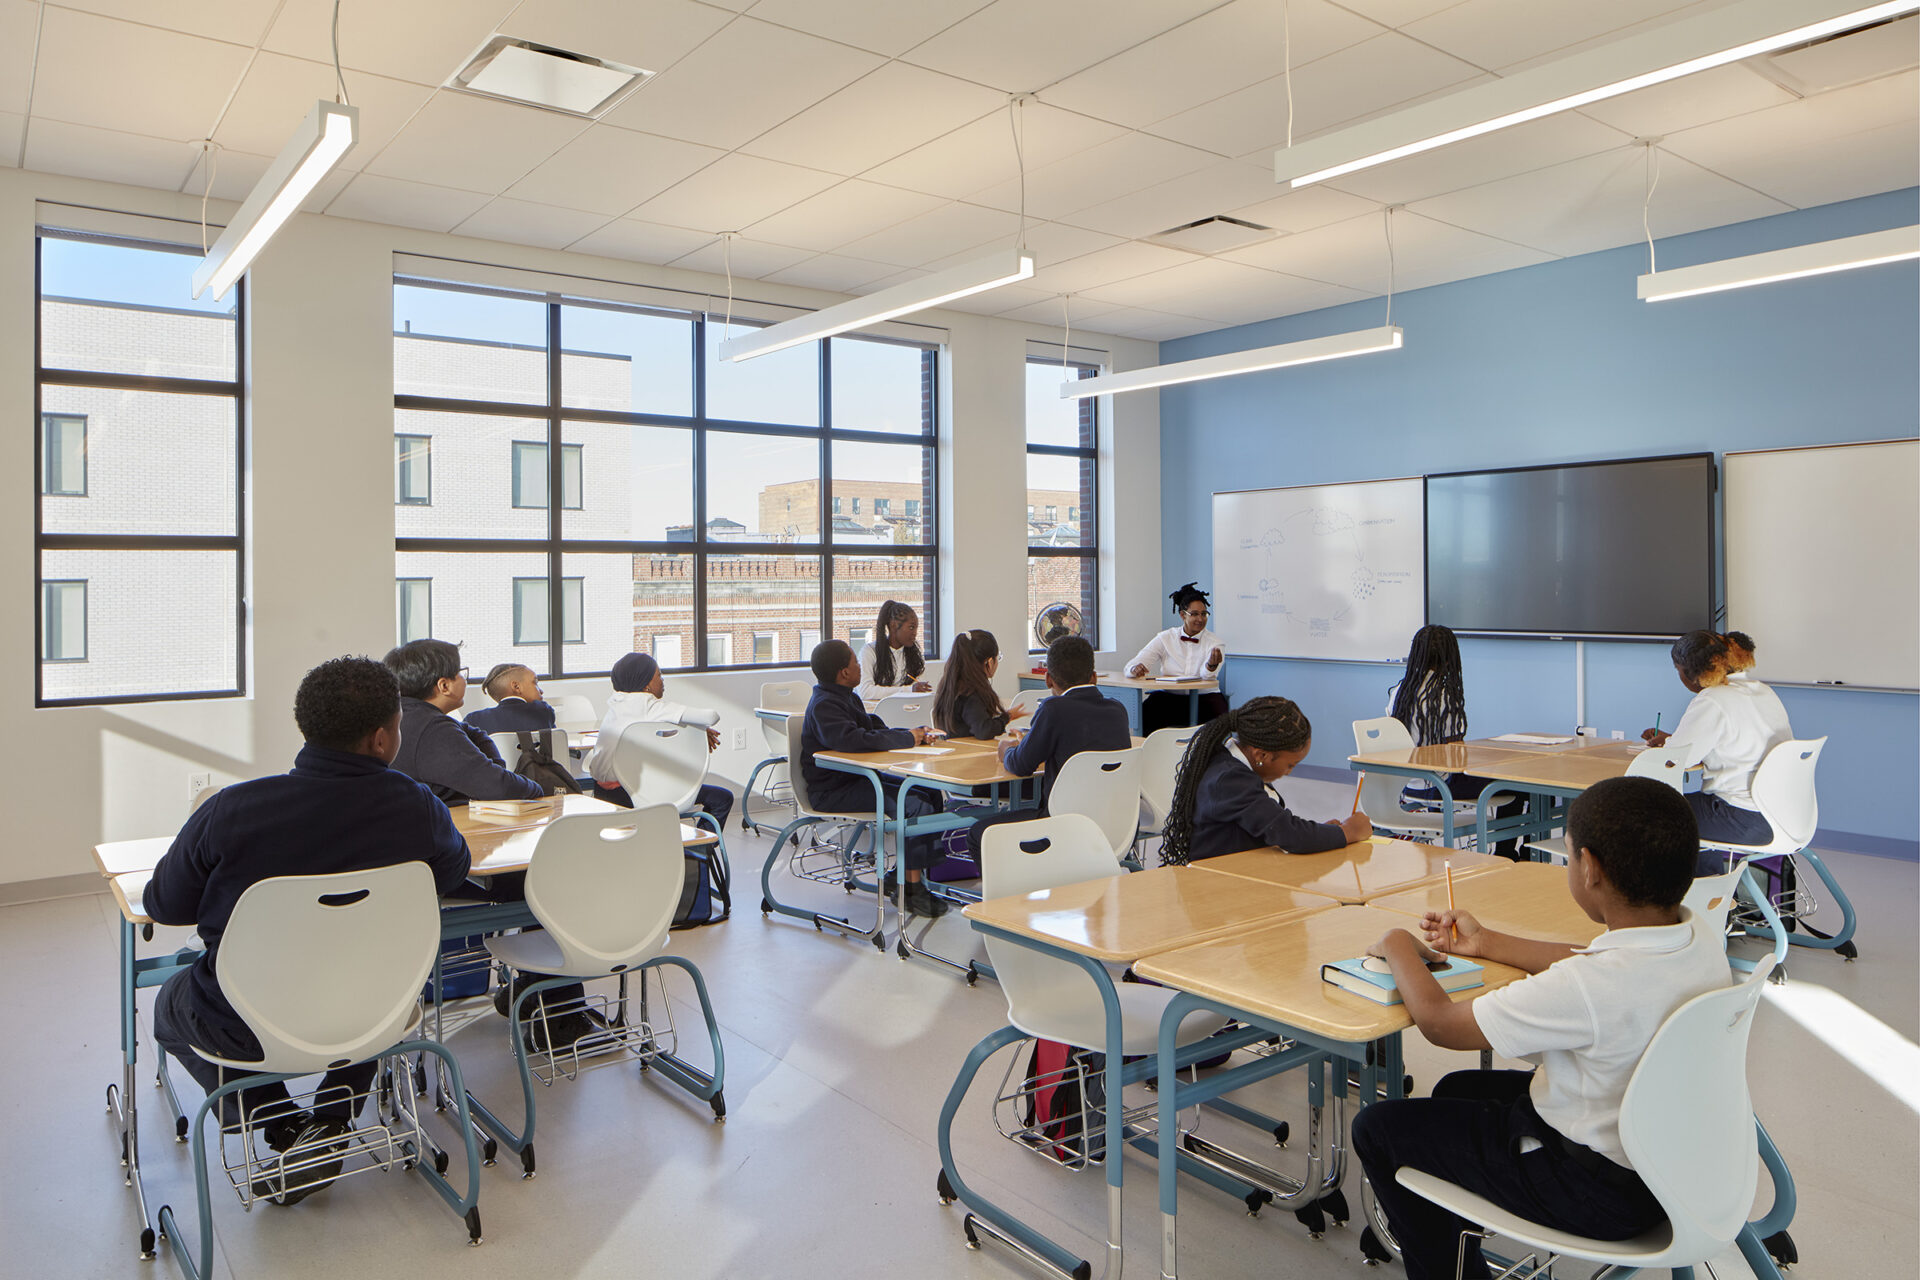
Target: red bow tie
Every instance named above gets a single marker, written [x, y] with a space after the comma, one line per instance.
[1187, 639]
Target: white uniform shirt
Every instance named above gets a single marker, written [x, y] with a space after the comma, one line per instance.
[624, 709]
[1729, 728]
[1168, 655]
[871, 690]
[1586, 1021]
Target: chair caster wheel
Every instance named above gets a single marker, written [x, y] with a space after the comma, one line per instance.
[1256, 1201]
[1781, 1249]
[1335, 1205]
[489, 1152]
[180, 1129]
[766, 908]
[973, 975]
[473, 1225]
[719, 1105]
[111, 1091]
[879, 942]
[973, 1239]
[944, 1189]
[1371, 1248]
[439, 1162]
[1313, 1219]
[1848, 950]
[900, 949]
[146, 1244]
[1281, 1132]
[526, 1162]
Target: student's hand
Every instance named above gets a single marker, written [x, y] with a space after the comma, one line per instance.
[1356, 828]
[1654, 738]
[921, 686]
[921, 737]
[1454, 932]
[1214, 660]
[1014, 713]
[1426, 954]
[1138, 671]
[713, 739]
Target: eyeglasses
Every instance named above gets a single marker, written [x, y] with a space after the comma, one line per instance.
[465, 673]
[1196, 613]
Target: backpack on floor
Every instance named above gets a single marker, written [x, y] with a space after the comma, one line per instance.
[705, 894]
[536, 762]
[1066, 1101]
[465, 969]
[955, 862]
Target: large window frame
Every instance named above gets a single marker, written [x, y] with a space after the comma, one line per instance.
[43, 542]
[555, 413]
[1088, 453]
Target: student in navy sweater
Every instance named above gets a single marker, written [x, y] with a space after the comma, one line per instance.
[519, 706]
[838, 721]
[1077, 718]
[1223, 798]
[456, 760]
[340, 809]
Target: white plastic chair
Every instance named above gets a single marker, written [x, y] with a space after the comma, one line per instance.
[1103, 786]
[1654, 762]
[808, 814]
[575, 711]
[1784, 792]
[659, 762]
[1380, 792]
[326, 971]
[1686, 1123]
[604, 888]
[1030, 699]
[905, 710]
[789, 696]
[508, 745]
[1159, 767]
[1047, 997]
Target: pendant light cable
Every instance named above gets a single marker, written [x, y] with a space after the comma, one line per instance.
[1646, 209]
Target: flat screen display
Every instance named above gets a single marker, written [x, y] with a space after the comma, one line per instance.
[1618, 548]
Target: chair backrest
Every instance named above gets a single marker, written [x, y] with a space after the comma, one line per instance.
[508, 745]
[659, 762]
[803, 801]
[905, 710]
[1382, 733]
[605, 886]
[1030, 698]
[1025, 857]
[328, 969]
[1710, 898]
[789, 696]
[574, 711]
[1687, 1119]
[1104, 786]
[1784, 791]
[1159, 766]
[1658, 762]
[1380, 792]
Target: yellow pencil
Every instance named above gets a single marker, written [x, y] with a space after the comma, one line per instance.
[1357, 783]
[1455, 929]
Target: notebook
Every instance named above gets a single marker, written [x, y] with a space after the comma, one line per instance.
[1531, 739]
[506, 808]
[1458, 974]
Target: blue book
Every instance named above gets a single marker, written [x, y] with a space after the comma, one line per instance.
[1457, 974]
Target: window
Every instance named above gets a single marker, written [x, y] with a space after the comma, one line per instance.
[809, 640]
[880, 506]
[715, 536]
[858, 636]
[530, 608]
[140, 534]
[856, 506]
[63, 622]
[913, 508]
[530, 475]
[63, 454]
[414, 609]
[1063, 437]
[412, 471]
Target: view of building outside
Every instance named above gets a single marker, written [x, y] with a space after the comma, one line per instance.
[1062, 487]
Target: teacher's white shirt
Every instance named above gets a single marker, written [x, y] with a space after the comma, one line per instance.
[1167, 654]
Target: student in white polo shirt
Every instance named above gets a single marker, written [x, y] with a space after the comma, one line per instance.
[1186, 651]
[1546, 1144]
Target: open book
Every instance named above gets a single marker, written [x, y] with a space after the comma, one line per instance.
[1377, 983]
[506, 808]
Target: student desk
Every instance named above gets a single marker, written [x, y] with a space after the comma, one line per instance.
[1269, 978]
[1110, 680]
[1549, 772]
[1433, 766]
[1358, 873]
[1529, 899]
[1116, 920]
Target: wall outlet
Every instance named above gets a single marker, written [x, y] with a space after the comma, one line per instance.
[1619, 735]
[197, 783]
[739, 739]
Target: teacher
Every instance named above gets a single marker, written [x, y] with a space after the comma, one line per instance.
[1189, 651]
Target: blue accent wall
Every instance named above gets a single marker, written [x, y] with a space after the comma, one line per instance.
[1560, 363]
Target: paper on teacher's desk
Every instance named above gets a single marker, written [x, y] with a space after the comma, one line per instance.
[1531, 739]
[1178, 679]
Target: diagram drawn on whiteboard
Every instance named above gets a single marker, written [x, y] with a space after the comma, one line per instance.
[1328, 538]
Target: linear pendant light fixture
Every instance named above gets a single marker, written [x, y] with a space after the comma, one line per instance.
[1682, 48]
[1898, 244]
[328, 132]
[978, 276]
[1312, 350]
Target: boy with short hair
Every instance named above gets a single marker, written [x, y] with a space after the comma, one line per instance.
[341, 808]
[519, 705]
[639, 698]
[456, 760]
[837, 720]
[1548, 1146]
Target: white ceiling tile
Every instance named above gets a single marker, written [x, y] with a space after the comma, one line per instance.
[1354, 253]
[887, 282]
[652, 36]
[1131, 162]
[745, 80]
[609, 170]
[278, 91]
[1228, 292]
[1839, 145]
[890, 28]
[950, 229]
[733, 192]
[1719, 94]
[1397, 13]
[748, 260]
[1361, 80]
[1501, 34]
[11, 122]
[636, 241]
[19, 20]
[1059, 241]
[1234, 46]
[1534, 145]
[982, 154]
[1052, 310]
[235, 173]
[1304, 208]
[1224, 186]
[833, 272]
[116, 75]
[82, 151]
[1018, 46]
[474, 144]
[424, 41]
[1595, 203]
[1106, 266]
[523, 222]
[878, 117]
[847, 212]
[995, 301]
[235, 21]
[400, 203]
[1153, 326]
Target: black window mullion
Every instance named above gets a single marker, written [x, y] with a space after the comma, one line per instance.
[699, 550]
[556, 605]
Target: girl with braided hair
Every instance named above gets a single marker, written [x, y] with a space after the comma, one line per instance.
[1223, 797]
[1431, 701]
[892, 661]
[1731, 724]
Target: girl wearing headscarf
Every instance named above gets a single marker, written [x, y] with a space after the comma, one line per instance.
[636, 699]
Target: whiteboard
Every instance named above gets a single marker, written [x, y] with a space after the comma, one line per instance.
[1823, 562]
[1334, 571]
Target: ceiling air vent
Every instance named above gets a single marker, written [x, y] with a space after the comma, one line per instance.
[536, 75]
[1853, 57]
[1212, 235]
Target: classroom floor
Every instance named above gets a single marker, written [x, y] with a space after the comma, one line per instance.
[837, 1060]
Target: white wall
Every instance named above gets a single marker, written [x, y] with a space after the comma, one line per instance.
[321, 516]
